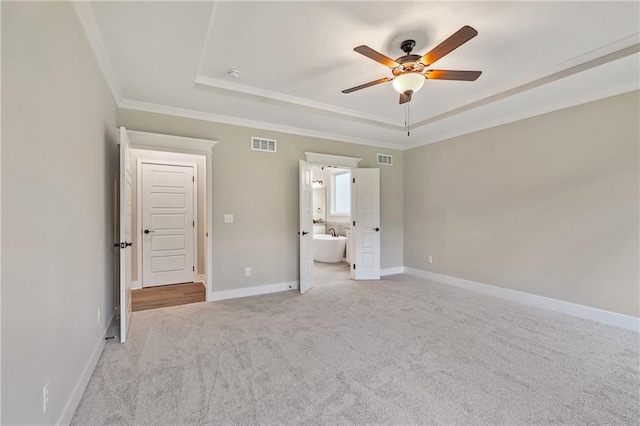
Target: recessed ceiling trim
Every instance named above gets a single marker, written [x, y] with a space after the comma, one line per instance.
[631, 50]
[203, 83]
[500, 120]
[243, 122]
[205, 44]
[94, 37]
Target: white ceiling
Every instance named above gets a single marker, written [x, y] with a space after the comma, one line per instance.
[296, 57]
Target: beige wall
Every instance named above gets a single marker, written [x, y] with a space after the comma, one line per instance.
[58, 162]
[261, 190]
[160, 156]
[547, 205]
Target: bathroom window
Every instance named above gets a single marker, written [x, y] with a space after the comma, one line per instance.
[341, 194]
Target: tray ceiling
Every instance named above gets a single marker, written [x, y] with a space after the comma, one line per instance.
[296, 57]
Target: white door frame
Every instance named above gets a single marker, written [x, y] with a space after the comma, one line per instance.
[180, 144]
[196, 216]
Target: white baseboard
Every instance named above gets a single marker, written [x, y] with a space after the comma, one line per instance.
[201, 278]
[136, 285]
[392, 271]
[605, 317]
[81, 385]
[253, 291]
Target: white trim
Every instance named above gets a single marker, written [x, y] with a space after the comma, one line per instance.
[316, 159]
[392, 271]
[160, 142]
[94, 37]
[81, 384]
[201, 278]
[253, 291]
[135, 285]
[208, 83]
[586, 312]
[196, 216]
[254, 124]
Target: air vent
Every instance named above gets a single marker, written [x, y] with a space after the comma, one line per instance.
[260, 144]
[385, 159]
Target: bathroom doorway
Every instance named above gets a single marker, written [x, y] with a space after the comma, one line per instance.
[331, 224]
[359, 225]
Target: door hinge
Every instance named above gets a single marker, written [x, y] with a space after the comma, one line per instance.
[193, 268]
[193, 178]
[354, 266]
[354, 223]
[194, 223]
[354, 180]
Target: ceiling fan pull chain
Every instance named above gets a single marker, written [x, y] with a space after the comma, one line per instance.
[408, 121]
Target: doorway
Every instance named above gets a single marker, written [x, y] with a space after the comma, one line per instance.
[363, 253]
[169, 229]
[165, 148]
[331, 224]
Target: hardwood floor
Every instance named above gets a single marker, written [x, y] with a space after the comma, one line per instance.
[167, 295]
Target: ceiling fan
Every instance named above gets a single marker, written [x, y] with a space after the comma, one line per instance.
[409, 71]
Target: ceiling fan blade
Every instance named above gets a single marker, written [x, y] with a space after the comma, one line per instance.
[452, 75]
[458, 38]
[376, 56]
[364, 86]
[404, 98]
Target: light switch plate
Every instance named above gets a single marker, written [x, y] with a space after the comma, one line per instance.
[228, 218]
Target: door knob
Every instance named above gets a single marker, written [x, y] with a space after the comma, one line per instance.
[126, 244]
[376, 229]
[304, 232]
[146, 231]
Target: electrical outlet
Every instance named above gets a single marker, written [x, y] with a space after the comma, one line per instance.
[99, 315]
[430, 259]
[247, 272]
[45, 396]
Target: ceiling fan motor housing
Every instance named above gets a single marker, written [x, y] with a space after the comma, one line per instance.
[407, 46]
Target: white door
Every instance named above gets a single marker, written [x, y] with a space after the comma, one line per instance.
[366, 224]
[168, 224]
[306, 228]
[125, 234]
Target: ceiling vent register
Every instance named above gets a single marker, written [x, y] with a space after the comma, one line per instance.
[385, 159]
[261, 144]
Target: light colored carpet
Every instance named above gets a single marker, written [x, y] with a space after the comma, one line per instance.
[399, 351]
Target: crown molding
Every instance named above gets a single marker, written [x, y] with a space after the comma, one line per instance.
[94, 37]
[243, 122]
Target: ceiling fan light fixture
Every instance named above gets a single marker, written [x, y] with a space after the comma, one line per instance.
[411, 81]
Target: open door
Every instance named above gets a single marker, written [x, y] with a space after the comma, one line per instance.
[365, 233]
[306, 228]
[125, 234]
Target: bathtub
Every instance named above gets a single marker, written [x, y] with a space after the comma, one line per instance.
[328, 249]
